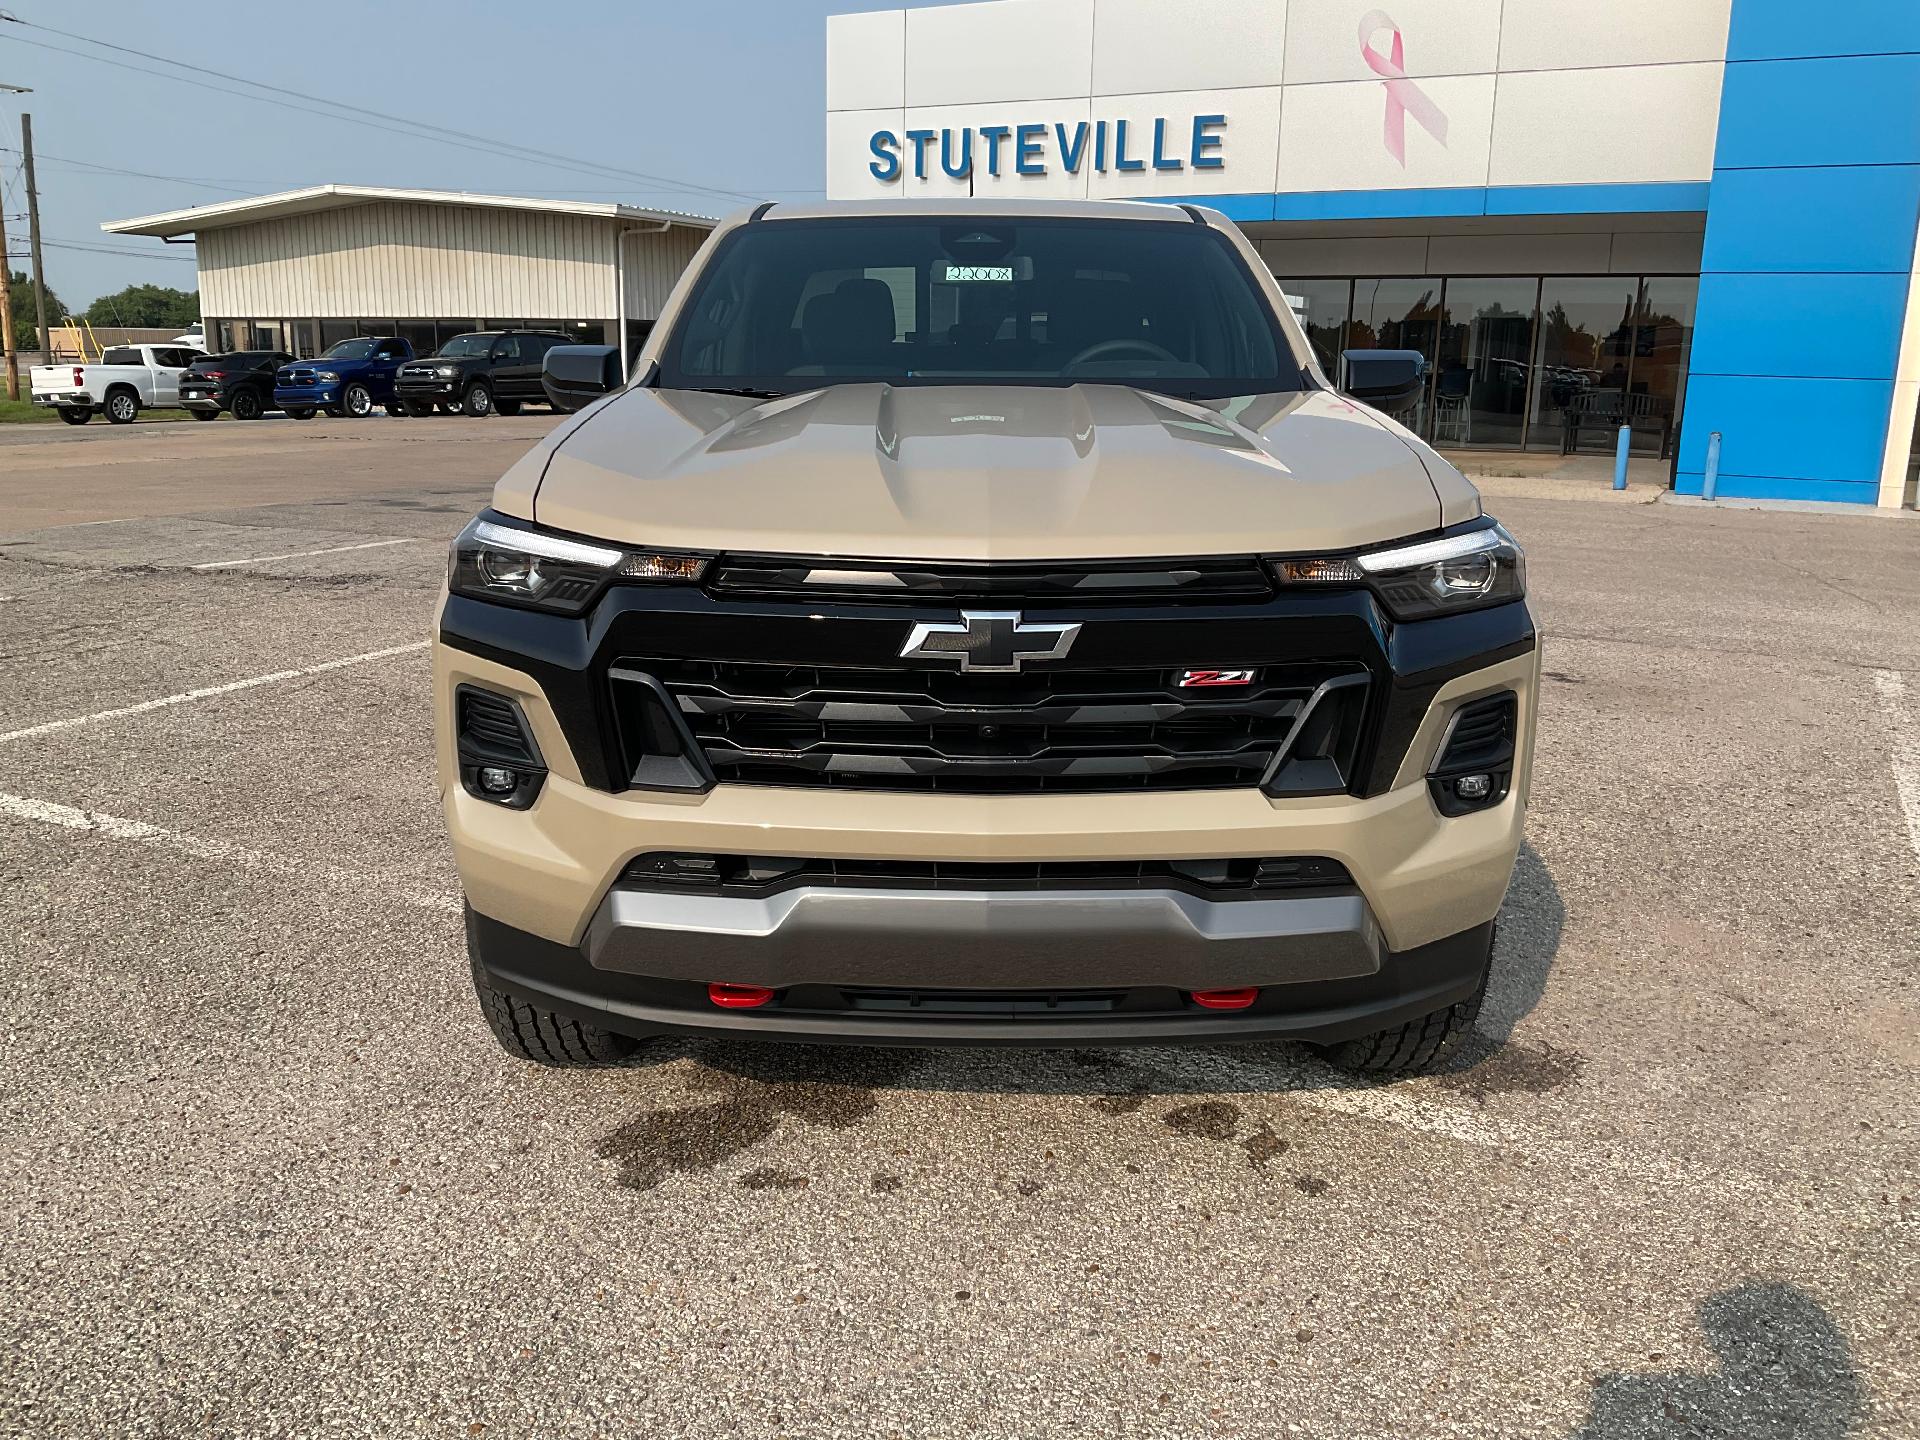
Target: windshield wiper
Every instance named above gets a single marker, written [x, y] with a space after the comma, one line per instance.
[750, 394]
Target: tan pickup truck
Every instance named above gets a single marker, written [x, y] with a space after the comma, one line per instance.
[984, 624]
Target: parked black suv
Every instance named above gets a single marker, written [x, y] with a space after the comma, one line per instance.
[241, 382]
[479, 373]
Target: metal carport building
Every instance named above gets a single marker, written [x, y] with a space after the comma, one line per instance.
[302, 269]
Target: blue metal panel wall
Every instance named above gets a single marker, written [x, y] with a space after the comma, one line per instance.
[1809, 250]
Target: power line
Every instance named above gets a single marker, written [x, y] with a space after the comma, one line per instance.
[415, 128]
[136, 174]
[107, 250]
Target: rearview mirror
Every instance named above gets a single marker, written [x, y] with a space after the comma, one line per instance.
[576, 375]
[1389, 380]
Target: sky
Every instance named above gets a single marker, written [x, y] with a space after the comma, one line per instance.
[729, 94]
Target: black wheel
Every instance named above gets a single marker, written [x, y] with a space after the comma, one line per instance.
[477, 401]
[204, 414]
[245, 405]
[357, 401]
[301, 412]
[1412, 1048]
[545, 1037]
[75, 415]
[123, 407]
[507, 407]
[336, 411]
[416, 408]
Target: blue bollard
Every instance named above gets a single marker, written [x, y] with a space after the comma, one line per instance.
[1711, 481]
[1620, 458]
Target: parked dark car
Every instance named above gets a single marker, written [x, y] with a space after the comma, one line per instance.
[350, 379]
[480, 373]
[241, 382]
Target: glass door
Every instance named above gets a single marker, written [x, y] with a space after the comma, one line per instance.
[1481, 372]
[1398, 315]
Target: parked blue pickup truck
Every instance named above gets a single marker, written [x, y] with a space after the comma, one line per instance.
[350, 379]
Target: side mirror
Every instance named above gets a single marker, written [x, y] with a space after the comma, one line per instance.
[576, 375]
[1389, 380]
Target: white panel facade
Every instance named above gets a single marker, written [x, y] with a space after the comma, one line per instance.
[867, 61]
[1339, 137]
[1638, 124]
[411, 261]
[1574, 34]
[848, 155]
[1008, 50]
[1146, 46]
[1437, 37]
[1525, 92]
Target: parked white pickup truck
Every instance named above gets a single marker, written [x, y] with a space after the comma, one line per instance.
[128, 379]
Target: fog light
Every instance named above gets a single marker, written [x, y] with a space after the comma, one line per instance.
[1226, 999]
[1473, 787]
[739, 997]
[498, 780]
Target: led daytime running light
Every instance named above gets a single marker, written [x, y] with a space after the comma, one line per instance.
[1432, 552]
[549, 547]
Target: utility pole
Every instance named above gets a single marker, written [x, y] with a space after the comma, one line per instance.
[6, 310]
[33, 241]
[7, 347]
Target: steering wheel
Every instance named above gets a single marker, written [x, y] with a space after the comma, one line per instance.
[1105, 348]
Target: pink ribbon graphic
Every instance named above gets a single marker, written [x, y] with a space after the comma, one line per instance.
[1403, 96]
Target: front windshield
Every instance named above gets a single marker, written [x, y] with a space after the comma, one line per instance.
[468, 345]
[793, 305]
[351, 350]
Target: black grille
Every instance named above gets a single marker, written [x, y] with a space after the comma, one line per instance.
[759, 875]
[1210, 578]
[490, 728]
[1051, 730]
[1481, 737]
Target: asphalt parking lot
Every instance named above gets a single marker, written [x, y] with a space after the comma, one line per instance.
[266, 1173]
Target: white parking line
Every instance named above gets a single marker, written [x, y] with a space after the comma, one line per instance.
[209, 691]
[115, 827]
[301, 554]
[1891, 686]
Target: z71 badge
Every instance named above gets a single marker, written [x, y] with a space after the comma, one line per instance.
[1206, 679]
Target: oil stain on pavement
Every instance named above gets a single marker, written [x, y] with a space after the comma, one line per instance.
[755, 1089]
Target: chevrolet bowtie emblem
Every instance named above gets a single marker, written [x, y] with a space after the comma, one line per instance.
[989, 640]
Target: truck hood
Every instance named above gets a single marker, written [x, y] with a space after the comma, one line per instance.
[983, 473]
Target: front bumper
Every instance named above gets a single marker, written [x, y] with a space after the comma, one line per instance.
[426, 389]
[1402, 986]
[304, 397]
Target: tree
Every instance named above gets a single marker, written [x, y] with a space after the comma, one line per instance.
[20, 299]
[146, 307]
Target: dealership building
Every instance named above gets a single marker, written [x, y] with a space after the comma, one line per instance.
[1696, 218]
[301, 270]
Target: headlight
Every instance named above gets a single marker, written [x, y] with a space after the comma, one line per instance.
[495, 561]
[447, 372]
[326, 377]
[1467, 571]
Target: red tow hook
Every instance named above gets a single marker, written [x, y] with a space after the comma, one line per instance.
[739, 997]
[1226, 999]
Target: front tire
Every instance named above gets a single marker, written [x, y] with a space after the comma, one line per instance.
[123, 407]
[417, 409]
[75, 415]
[357, 402]
[507, 407]
[478, 401]
[529, 1032]
[1413, 1048]
[245, 405]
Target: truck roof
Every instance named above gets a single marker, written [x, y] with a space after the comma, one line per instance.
[962, 205]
